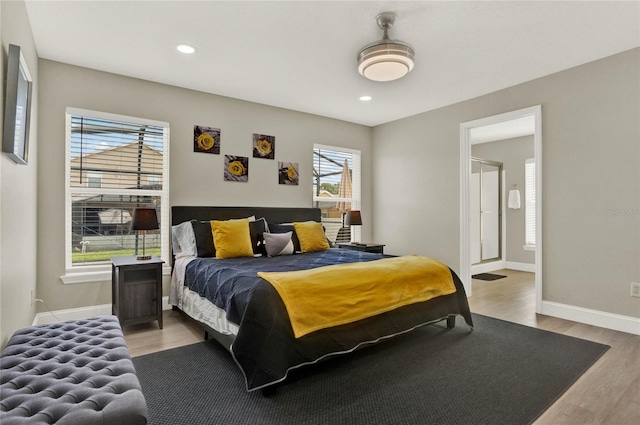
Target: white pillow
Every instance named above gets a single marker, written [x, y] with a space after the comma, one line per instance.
[183, 239]
[278, 243]
[175, 246]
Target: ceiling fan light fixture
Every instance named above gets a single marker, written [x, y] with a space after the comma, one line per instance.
[385, 60]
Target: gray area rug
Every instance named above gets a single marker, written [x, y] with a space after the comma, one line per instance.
[500, 373]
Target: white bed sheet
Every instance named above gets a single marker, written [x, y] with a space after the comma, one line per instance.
[197, 307]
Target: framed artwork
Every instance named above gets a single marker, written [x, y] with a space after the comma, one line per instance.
[288, 173]
[17, 107]
[236, 168]
[206, 139]
[264, 146]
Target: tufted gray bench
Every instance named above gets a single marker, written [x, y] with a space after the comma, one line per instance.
[70, 373]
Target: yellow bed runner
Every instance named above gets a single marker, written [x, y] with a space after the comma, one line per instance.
[334, 295]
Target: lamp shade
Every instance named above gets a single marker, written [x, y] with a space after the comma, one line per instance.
[144, 219]
[353, 218]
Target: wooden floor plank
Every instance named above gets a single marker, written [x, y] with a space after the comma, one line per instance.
[178, 330]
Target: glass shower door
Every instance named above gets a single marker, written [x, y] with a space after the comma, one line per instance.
[486, 204]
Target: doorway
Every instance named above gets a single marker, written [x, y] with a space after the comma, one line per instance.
[505, 123]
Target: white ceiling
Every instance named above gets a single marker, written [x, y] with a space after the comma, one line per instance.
[302, 55]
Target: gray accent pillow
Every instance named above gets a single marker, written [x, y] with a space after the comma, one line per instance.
[278, 243]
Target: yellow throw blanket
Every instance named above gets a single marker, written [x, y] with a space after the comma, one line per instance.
[334, 295]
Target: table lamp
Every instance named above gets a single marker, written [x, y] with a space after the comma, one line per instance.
[353, 218]
[144, 219]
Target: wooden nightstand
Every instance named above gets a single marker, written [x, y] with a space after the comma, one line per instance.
[366, 247]
[136, 289]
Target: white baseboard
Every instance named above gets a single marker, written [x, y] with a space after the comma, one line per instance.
[81, 313]
[523, 267]
[488, 267]
[499, 265]
[72, 314]
[587, 316]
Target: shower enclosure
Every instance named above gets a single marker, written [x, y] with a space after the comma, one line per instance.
[486, 211]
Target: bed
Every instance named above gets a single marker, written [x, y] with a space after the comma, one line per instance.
[247, 315]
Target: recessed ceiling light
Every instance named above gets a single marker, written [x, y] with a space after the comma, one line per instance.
[185, 48]
[365, 98]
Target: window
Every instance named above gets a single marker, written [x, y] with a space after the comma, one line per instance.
[336, 187]
[530, 204]
[94, 180]
[114, 164]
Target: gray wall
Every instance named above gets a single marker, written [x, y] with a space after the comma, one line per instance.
[591, 180]
[18, 201]
[512, 153]
[195, 178]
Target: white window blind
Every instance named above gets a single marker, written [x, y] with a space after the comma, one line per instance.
[530, 202]
[114, 164]
[336, 187]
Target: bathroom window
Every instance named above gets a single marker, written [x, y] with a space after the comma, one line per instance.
[530, 204]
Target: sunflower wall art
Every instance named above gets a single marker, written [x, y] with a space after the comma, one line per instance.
[206, 139]
[236, 168]
[264, 146]
[288, 173]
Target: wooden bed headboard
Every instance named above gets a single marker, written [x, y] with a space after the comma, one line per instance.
[181, 214]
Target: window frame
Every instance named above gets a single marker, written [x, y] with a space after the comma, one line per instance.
[356, 182]
[102, 271]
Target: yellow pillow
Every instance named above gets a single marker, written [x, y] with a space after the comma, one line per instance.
[231, 238]
[311, 236]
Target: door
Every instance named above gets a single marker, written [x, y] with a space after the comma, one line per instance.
[486, 211]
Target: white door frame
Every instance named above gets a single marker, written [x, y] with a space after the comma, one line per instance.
[465, 172]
